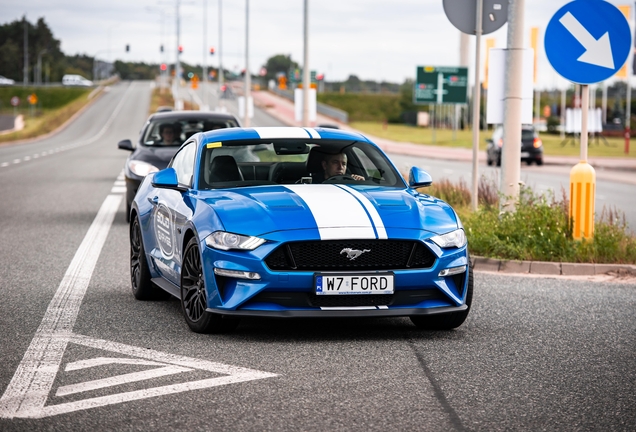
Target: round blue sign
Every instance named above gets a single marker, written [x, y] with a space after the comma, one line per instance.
[587, 41]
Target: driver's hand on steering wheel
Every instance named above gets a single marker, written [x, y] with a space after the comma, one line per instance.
[357, 177]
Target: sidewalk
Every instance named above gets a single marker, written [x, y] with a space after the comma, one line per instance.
[283, 110]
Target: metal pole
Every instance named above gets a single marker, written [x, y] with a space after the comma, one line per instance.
[628, 110]
[585, 105]
[476, 107]
[248, 83]
[178, 103]
[604, 102]
[204, 72]
[306, 82]
[26, 52]
[563, 94]
[220, 55]
[511, 149]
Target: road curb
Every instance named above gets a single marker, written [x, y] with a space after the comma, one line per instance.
[550, 268]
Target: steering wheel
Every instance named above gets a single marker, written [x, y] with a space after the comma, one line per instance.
[338, 178]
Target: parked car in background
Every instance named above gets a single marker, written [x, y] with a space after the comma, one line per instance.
[152, 152]
[6, 81]
[296, 222]
[76, 80]
[531, 146]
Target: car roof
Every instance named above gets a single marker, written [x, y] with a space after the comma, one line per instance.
[280, 133]
[186, 115]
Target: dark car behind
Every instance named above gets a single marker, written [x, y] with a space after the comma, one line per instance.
[531, 146]
[150, 154]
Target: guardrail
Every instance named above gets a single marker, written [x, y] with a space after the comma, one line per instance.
[326, 110]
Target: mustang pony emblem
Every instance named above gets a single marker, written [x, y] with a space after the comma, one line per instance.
[353, 253]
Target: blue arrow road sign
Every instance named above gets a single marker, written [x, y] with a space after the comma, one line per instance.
[587, 41]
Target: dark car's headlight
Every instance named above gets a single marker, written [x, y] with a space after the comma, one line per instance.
[141, 168]
[455, 238]
[226, 241]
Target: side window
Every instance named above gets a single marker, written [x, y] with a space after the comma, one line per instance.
[183, 163]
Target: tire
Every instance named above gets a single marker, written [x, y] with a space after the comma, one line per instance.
[447, 321]
[128, 212]
[539, 162]
[142, 286]
[194, 296]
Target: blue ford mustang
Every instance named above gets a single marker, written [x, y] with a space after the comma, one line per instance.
[296, 222]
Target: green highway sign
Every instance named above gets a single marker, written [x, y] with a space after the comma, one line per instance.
[440, 85]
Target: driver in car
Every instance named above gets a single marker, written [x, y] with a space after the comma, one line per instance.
[168, 134]
[336, 165]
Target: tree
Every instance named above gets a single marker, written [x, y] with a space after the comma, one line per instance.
[279, 63]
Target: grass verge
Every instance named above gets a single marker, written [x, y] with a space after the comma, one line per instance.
[162, 97]
[539, 230]
[553, 145]
[46, 121]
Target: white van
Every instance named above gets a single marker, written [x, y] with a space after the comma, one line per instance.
[76, 80]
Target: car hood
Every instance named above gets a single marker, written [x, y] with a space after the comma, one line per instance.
[157, 156]
[334, 211]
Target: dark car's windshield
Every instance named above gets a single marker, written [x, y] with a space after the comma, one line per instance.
[294, 161]
[167, 133]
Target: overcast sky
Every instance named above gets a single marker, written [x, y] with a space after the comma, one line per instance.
[373, 39]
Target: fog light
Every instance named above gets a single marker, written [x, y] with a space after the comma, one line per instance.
[237, 274]
[452, 271]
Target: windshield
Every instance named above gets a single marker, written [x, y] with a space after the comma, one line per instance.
[166, 133]
[295, 161]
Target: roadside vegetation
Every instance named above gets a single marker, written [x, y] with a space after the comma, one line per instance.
[54, 107]
[162, 97]
[539, 230]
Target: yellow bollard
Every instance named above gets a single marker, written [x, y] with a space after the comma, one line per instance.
[582, 196]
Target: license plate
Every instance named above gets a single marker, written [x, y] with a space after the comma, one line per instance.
[337, 284]
[525, 154]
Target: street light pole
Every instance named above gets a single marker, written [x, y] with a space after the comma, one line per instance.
[204, 72]
[248, 83]
[476, 106]
[178, 103]
[220, 56]
[306, 82]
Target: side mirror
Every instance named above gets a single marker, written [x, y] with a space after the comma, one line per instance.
[419, 178]
[167, 179]
[125, 145]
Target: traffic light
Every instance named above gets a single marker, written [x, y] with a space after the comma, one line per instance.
[211, 50]
[180, 49]
[127, 47]
[164, 66]
[161, 48]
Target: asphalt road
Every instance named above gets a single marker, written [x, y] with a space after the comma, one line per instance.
[80, 353]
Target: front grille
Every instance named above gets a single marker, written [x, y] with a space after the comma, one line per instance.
[331, 255]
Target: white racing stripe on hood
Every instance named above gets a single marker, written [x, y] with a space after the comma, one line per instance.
[375, 216]
[285, 132]
[338, 214]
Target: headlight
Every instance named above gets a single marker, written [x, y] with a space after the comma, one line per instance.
[226, 241]
[455, 238]
[142, 169]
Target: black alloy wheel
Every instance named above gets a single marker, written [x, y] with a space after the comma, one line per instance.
[140, 278]
[194, 296]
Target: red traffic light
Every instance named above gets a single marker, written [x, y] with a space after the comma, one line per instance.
[164, 67]
[211, 50]
[180, 49]
[320, 77]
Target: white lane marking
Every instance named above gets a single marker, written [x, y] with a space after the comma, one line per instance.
[16, 161]
[27, 158]
[337, 213]
[4, 164]
[118, 189]
[120, 182]
[31, 384]
[103, 361]
[119, 380]
[375, 216]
